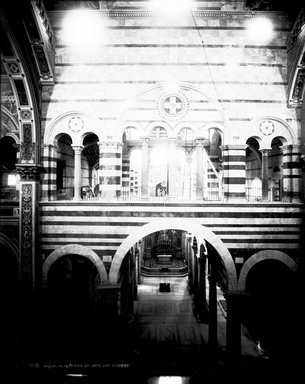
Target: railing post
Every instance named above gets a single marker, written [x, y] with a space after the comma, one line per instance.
[145, 168]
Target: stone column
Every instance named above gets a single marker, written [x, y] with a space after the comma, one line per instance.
[110, 170]
[77, 171]
[190, 265]
[45, 183]
[172, 167]
[235, 301]
[265, 174]
[202, 281]
[109, 302]
[49, 161]
[199, 169]
[126, 174]
[212, 307]
[195, 266]
[145, 167]
[234, 172]
[29, 188]
[292, 173]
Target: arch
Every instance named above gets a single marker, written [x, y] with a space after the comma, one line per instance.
[86, 134]
[155, 124]
[269, 254]
[163, 86]
[10, 117]
[205, 130]
[281, 138]
[134, 125]
[9, 244]
[185, 124]
[57, 126]
[291, 137]
[58, 136]
[255, 137]
[14, 137]
[24, 76]
[201, 232]
[74, 249]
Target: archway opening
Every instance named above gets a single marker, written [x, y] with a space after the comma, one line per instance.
[276, 169]
[253, 170]
[173, 284]
[272, 307]
[9, 179]
[72, 281]
[64, 168]
[9, 280]
[90, 167]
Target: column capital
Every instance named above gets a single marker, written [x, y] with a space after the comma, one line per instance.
[172, 139]
[144, 140]
[201, 142]
[29, 172]
[265, 151]
[77, 148]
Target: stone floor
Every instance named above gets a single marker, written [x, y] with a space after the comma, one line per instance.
[170, 318]
[165, 343]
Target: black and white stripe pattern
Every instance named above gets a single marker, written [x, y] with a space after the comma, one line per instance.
[110, 171]
[103, 227]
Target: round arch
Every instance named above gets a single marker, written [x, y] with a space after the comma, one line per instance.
[9, 244]
[257, 138]
[86, 134]
[9, 116]
[284, 129]
[134, 125]
[155, 124]
[205, 130]
[59, 135]
[191, 226]
[169, 85]
[59, 125]
[74, 249]
[185, 124]
[260, 256]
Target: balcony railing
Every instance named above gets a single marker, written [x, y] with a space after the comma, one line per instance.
[210, 194]
[255, 194]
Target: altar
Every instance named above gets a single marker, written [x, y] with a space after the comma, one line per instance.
[164, 259]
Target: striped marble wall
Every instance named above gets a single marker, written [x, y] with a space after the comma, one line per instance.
[103, 227]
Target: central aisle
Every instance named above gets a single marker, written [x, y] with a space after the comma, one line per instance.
[167, 318]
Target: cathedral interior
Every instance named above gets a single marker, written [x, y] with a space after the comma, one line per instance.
[152, 191]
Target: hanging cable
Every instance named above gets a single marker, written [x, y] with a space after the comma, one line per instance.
[206, 58]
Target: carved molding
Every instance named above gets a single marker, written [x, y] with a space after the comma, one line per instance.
[42, 62]
[45, 20]
[26, 230]
[53, 15]
[112, 144]
[29, 172]
[298, 90]
[297, 28]
[27, 147]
